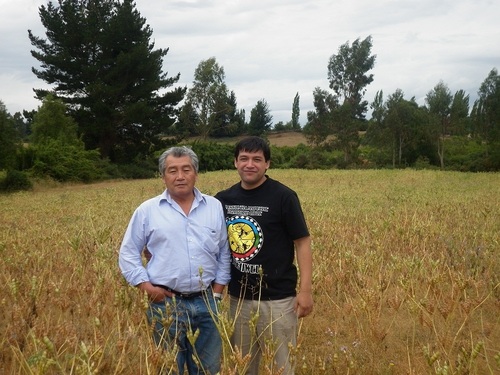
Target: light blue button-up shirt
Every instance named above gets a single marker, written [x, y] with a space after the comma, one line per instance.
[189, 252]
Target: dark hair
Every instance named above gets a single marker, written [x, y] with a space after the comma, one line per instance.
[177, 152]
[253, 144]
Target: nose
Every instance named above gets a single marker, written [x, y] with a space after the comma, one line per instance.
[180, 175]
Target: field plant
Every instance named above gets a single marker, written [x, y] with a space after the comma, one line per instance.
[406, 277]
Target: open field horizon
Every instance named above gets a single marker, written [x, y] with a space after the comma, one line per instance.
[406, 275]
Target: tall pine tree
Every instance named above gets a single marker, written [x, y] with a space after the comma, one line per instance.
[98, 56]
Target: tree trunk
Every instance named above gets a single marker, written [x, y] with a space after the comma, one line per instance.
[441, 151]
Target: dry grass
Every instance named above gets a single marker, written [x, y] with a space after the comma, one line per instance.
[279, 139]
[287, 139]
[406, 277]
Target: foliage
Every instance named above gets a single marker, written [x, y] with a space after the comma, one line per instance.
[99, 56]
[346, 131]
[140, 168]
[459, 114]
[489, 106]
[52, 123]
[67, 162]
[15, 181]
[341, 114]
[400, 128]
[487, 116]
[347, 74]
[22, 123]
[214, 156]
[295, 124]
[210, 110]
[375, 157]
[465, 154]
[319, 122]
[9, 139]
[260, 118]
[236, 119]
[405, 278]
[439, 101]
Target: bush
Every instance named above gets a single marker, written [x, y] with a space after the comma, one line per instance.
[465, 155]
[139, 169]
[15, 181]
[214, 156]
[67, 162]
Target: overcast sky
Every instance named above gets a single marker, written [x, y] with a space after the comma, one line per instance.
[273, 49]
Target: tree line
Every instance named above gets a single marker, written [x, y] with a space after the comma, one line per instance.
[111, 108]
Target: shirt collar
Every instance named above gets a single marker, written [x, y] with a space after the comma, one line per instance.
[198, 196]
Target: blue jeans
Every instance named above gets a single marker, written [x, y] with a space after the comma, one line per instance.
[185, 316]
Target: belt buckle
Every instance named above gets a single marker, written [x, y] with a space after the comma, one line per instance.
[189, 295]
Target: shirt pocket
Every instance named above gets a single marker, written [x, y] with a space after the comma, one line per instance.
[210, 240]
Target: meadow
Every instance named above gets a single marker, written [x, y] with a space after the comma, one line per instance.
[406, 276]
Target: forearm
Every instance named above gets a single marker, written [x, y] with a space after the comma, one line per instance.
[304, 261]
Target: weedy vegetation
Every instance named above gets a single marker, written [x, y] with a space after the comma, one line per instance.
[406, 277]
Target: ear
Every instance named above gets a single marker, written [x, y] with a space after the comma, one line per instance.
[235, 163]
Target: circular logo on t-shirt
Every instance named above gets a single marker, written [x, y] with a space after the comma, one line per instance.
[245, 237]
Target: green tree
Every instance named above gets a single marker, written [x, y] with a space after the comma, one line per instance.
[347, 74]
[405, 122]
[188, 118]
[260, 118]
[348, 78]
[236, 117]
[487, 116]
[99, 57]
[58, 151]
[10, 140]
[319, 122]
[489, 99]
[459, 114]
[378, 110]
[439, 102]
[228, 120]
[296, 112]
[22, 125]
[51, 122]
[378, 134]
[209, 99]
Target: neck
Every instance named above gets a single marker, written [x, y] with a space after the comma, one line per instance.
[184, 202]
[256, 184]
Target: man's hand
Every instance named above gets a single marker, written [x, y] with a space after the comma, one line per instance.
[155, 293]
[304, 304]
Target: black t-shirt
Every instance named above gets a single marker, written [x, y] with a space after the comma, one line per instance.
[262, 224]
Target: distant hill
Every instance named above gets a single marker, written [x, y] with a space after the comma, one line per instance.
[287, 139]
[277, 139]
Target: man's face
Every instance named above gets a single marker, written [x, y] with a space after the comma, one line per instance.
[179, 176]
[252, 167]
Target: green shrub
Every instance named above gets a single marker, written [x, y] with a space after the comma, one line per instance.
[67, 162]
[15, 181]
[214, 156]
[464, 154]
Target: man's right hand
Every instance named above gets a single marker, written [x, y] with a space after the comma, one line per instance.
[155, 293]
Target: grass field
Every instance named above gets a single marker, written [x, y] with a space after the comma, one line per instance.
[406, 276]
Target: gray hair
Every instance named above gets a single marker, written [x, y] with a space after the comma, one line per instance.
[177, 152]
